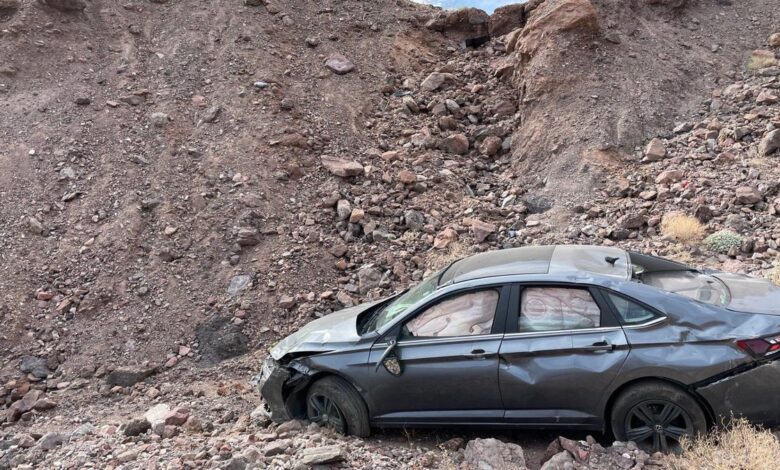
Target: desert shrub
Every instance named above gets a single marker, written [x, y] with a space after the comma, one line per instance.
[759, 61]
[437, 259]
[774, 275]
[738, 446]
[682, 228]
[723, 241]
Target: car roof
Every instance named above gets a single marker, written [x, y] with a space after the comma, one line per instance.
[546, 259]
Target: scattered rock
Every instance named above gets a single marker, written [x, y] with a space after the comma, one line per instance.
[456, 143]
[129, 376]
[669, 176]
[747, 195]
[136, 427]
[655, 151]
[160, 119]
[36, 366]
[322, 455]
[239, 284]
[482, 230]
[339, 64]
[52, 440]
[770, 143]
[436, 80]
[492, 454]
[341, 167]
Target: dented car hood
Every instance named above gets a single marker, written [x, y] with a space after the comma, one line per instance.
[324, 334]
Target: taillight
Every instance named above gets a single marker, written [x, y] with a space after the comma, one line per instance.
[760, 347]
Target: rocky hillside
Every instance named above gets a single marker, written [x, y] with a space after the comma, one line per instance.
[183, 183]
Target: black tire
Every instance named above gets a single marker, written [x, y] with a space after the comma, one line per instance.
[331, 399]
[656, 415]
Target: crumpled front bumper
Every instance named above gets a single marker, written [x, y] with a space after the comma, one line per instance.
[753, 394]
[278, 387]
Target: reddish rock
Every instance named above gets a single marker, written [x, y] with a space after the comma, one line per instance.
[552, 18]
[445, 238]
[177, 417]
[287, 302]
[436, 80]
[506, 18]
[341, 167]
[44, 295]
[456, 143]
[491, 145]
[407, 177]
[669, 176]
[747, 195]
[655, 150]
[482, 230]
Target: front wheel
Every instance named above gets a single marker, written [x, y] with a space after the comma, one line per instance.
[656, 416]
[332, 402]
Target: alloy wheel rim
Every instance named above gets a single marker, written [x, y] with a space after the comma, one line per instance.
[325, 412]
[658, 425]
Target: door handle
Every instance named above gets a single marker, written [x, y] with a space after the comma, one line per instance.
[600, 346]
[478, 354]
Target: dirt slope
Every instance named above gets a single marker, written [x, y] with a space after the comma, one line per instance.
[166, 205]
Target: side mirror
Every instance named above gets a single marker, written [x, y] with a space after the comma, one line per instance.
[389, 360]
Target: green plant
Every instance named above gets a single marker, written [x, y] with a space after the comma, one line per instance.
[723, 241]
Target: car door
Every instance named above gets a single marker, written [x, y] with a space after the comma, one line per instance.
[447, 351]
[562, 350]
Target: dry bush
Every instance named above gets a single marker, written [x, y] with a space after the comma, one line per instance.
[438, 259]
[738, 446]
[774, 275]
[682, 228]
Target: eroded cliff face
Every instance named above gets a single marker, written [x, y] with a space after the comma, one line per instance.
[597, 78]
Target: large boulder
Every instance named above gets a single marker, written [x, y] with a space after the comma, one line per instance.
[506, 18]
[492, 454]
[461, 24]
[555, 17]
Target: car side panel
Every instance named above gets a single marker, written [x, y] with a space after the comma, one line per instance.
[655, 354]
[441, 381]
[753, 394]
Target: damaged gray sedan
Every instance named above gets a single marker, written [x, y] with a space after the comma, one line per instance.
[583, 337]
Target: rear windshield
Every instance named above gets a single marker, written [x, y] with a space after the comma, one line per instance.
[693, 284]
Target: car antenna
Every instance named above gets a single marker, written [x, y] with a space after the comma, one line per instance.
[611, 259]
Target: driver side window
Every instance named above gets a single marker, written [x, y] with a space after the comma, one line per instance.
[466, 314]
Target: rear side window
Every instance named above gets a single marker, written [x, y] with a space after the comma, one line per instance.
[467, 314]
[557, 308]
[631, 313]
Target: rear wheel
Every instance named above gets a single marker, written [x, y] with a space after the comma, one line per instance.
[332, 402]
[656, 416]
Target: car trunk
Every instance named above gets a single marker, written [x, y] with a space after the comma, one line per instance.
[751, 295]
